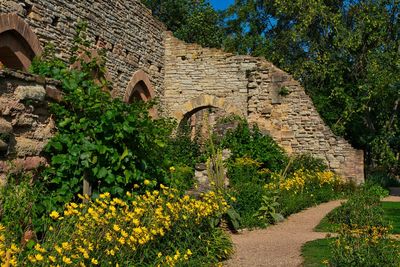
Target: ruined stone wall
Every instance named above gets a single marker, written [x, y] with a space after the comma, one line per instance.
[130, 35]
[198, 77]
[25, 123]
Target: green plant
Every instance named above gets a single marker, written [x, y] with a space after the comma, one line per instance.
[111, 144]
[306, 162]
[245, 141]
[244, 170]
[248, 198]
[362, 208]
[383, 178]
[181, 177]
[284, 91]
[156, 228]
[216, 171]
[268, 212]
[364, 247]
[19, 209]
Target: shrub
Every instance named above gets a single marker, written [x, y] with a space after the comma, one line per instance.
[181, 177]
[111, 144]
[383, 179]
[244, 170]
[244, 141]
[248, 202]
[155, 228]
[362, 208]
[19, 211]
[364, 247]
[303, 189]
[306, 162]
[246, 181]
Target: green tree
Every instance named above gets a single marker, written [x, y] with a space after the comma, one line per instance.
[194, 21]
[345, 53]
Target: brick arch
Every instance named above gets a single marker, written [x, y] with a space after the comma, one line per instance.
[139, 88]
[204, 101]
[19, 44]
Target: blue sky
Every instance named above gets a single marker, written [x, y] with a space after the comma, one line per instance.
[221, 4]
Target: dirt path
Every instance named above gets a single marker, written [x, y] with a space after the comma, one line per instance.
[279, 245]
[392, 199]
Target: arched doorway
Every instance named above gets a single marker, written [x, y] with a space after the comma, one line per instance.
[200, 115]
[18, 43]
[139, 88]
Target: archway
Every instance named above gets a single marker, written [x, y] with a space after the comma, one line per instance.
[18, 43]
[201, 114]
[139, 88]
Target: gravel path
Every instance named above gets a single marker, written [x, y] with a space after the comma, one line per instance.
[279, 245]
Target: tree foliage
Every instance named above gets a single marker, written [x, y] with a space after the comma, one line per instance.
[345, 53]
[194, 21]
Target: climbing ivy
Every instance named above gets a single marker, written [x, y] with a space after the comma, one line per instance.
[105, 141]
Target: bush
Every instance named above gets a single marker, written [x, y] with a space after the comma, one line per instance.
[19, 211]
[306, 162]
[364, 247]
[246, 180]
[111, 144]
[383, 179]
[304, 189]
[248, 202]
[155, 228]
[181, 178]
[244, 170]
[361, 209]
[244, 141]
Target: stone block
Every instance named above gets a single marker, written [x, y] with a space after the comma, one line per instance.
[36, 92]
[5, 126]
[28, 147]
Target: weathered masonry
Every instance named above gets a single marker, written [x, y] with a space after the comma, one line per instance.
[145, 61]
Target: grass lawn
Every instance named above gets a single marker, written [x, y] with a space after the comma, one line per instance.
[315, 252]
[392, 215]
[326, 226]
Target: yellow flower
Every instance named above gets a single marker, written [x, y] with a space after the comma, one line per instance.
[54, 215]
[94, 261]
[116, 228]
[146, 182]
[52, 258]
[66, 260]
[39, 257]
[172, 169]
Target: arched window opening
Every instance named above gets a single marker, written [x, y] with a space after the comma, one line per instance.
[18, 44]
[140, 92]
[15, 52]
[200, 122]
[139, 88]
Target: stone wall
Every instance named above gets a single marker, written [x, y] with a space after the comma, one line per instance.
[186, 77]
[25, 123]
[130, 35]
[197, 77]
